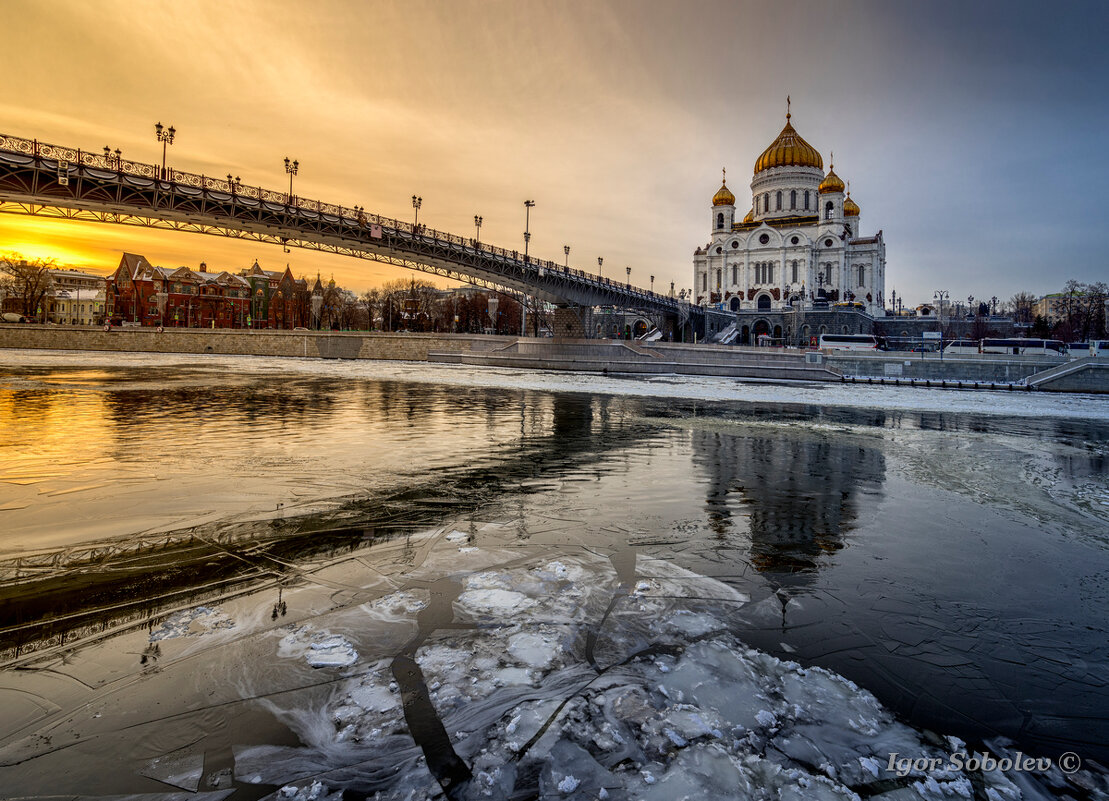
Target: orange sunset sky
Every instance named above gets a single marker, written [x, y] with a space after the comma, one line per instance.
[958, 125]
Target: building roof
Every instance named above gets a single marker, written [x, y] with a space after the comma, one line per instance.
[789, 150]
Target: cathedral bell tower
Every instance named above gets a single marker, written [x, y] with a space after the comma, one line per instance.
[723, 207]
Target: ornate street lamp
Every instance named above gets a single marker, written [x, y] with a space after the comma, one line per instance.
[165, 136]
[652, 285]
[566, 250]
[477, 227]
[416, 203]
[629, 269]
[528, 204]
[291, 167]
[600, 261]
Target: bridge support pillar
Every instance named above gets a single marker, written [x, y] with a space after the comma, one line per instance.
[569, 322]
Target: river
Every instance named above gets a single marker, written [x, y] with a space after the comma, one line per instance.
[241, 574]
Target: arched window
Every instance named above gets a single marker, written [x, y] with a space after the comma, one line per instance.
[862, 275]
[779, 200]
[794, 280]
[770, 273]
[764, 302]
[704, 282]
[735, 273]
[792, 199]
[720, 220]
[718, 271]
[828, 210]
[766, 201]
[806, 200]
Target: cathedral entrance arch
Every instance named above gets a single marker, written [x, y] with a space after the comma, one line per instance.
[745, 335]
[764, 302]
[733, 304]
[762, 328]
[777, 332]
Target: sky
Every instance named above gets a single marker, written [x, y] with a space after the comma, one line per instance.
[974, 135]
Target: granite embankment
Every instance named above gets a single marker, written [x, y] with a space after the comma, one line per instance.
[580, 355]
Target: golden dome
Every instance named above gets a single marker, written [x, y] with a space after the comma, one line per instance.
[831, 182]
[750, 216]
[723, 196]
[789, 150]
[850, 207]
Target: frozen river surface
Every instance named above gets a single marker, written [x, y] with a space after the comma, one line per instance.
[260, 578]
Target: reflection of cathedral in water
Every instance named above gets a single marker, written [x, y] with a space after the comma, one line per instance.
[798, 494]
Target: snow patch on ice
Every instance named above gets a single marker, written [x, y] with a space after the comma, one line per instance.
[192, 623]
[320, 648]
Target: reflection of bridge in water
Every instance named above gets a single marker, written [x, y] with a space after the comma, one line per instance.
[59, 182]
[59, 598]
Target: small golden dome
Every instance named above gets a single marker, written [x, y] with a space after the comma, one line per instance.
[850, 207]
[750, 216]
[831, 182]
[789, 150]
[723, 196]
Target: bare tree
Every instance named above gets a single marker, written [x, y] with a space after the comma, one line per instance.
[1021, 305]
[26, 282]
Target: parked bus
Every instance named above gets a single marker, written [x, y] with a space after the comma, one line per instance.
[961, 346]
[1097, 347]
[848, 342]
[1020, 347]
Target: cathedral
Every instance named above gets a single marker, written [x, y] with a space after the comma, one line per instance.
[800, 247]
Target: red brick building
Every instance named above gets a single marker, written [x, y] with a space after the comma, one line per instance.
[138, 293]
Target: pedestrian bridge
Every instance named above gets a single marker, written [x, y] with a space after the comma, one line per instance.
[47, 180]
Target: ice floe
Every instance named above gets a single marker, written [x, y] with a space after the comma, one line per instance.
[319, 648]
[576, 686]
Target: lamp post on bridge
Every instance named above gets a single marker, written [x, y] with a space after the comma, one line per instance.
[233, 183]
[115, 159]
[629, 269]
[652, 285]
[416, 203]
[165, 136]
[477, 227]
[566, 264]
[528, 204]
[291, 167]
[600, 261]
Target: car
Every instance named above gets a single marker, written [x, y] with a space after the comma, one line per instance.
[300, 328]
[12, 317]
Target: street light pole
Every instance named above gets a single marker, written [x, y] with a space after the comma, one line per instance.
[566, 264]
[528, 204]
[165, 136]
[629, 269]
[291, 167]
[600, 261]
[477, 227]
[416, 203]
[652, 285]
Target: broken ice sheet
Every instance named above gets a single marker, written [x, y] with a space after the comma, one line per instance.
[681, 709]
[179, 770]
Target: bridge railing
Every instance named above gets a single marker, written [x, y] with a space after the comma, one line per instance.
[356, 217]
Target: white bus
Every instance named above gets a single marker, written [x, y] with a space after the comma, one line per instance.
[1019, 347]
[961, 346]
[848, 342]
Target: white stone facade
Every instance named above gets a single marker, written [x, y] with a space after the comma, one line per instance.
[800, 244]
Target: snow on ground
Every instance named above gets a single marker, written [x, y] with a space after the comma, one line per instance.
[575, 686]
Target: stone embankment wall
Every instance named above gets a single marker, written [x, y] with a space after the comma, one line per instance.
[998, 369]
[310, 344]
